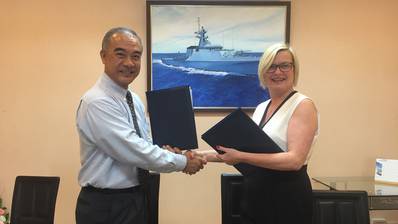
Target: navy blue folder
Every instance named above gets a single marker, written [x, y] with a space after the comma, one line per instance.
[239, 131]
[172, 118]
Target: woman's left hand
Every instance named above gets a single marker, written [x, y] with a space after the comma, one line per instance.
[231, 156]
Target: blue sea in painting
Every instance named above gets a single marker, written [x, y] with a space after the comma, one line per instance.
[213, 84]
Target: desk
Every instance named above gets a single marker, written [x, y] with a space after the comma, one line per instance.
[381, 196]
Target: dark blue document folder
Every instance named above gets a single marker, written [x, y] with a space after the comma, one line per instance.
[172, 117]
[239, 131]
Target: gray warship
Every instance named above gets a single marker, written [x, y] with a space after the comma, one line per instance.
[206, 55]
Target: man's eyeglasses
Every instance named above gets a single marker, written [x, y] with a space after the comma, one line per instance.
[284, 67]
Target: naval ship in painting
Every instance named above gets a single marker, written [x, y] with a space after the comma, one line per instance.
[219, 77]
[206, 55]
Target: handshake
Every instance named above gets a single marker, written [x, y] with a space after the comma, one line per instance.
[195, 161]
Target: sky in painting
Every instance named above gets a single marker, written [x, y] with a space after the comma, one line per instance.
[249, 28]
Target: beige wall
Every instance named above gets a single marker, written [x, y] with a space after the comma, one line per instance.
[49, 57]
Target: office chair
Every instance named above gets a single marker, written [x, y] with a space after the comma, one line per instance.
[340, 207]
[34, 200]
[231, 192]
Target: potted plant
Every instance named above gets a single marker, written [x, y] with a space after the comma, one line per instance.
[4, 215]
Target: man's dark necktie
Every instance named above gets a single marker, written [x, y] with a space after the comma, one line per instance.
[143, 175]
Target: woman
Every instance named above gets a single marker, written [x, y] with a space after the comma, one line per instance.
[282, 193]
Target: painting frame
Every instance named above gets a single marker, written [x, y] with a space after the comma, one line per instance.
[159, 13]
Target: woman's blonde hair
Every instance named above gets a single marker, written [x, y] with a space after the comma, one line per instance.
[268, 58]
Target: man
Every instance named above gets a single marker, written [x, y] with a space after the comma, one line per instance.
[115, 144]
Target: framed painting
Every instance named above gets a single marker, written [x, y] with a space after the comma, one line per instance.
[214, 47]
